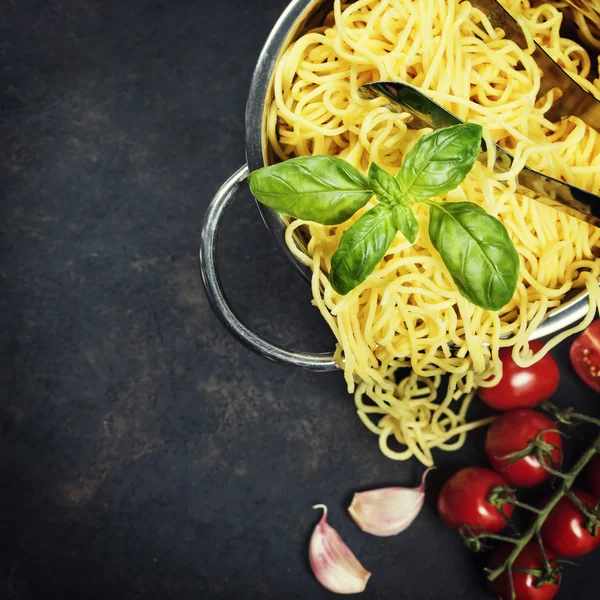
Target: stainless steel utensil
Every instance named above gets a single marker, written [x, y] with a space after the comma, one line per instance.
[575, 101]
[427, 113]
[299, 17]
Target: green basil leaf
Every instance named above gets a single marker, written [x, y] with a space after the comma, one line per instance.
[386, 188]
[361, 248]
[477, 250]
[405, 221]
[439, 161]
[323, 189]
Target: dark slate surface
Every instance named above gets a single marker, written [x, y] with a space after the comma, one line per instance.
[144, 453]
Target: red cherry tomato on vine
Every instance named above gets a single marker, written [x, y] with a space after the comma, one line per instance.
[525, 583]
[522, 387]
[464, 501]
[512, 432]
[564, 530]
[593, 476]
[585, 355]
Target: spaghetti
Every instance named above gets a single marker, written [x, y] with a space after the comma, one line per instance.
[409, 313]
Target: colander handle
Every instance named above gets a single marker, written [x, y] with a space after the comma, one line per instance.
[216, 295]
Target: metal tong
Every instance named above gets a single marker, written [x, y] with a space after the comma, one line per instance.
[427, 113]
[575, 101]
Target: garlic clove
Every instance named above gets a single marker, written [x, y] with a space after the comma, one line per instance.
[387, 511]
[332, 562]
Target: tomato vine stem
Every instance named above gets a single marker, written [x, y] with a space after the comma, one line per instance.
[547, 565]
[564, 488]
[525, 506]
[475, 541]
[544, 462]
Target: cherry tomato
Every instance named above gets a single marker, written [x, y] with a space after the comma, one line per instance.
[464, 501]
[522, 387]
[525, 583]
[585, 355]
[512, 432]
[564, 528]
[593, 476]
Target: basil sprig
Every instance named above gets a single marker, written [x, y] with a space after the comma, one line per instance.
[474, 246]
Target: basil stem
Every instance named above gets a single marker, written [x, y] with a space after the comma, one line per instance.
[323, 189]
[386, 188]
[361, 248]
[439, 161]
[405, 221]
[476, 250]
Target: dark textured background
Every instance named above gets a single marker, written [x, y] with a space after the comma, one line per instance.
[144, 454]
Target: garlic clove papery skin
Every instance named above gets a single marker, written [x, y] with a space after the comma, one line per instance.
[387, 511]
[332, 562]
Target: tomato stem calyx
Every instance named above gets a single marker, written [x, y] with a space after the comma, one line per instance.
[539, 448]
[568, 416]
[499, 496]
[542, 576]
[591, 513]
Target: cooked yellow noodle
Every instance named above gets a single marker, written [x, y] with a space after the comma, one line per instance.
[409, 313]
[586, 15]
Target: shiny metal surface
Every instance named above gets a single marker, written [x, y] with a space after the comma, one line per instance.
[426, 113]
[216, 295]
[299, 16]
[575, 100]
